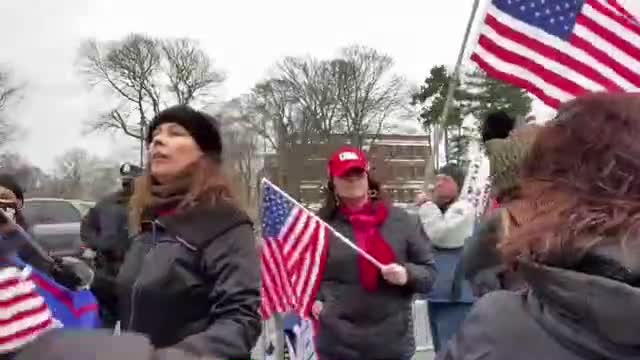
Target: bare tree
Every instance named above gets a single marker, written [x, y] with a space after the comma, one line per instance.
[189, 70]
[368, 93]
[312, 86]
[29, 176]
[272, 113]
[81, 175]
[146, 74]
[241, 154]
[309, 101]
[9, 92]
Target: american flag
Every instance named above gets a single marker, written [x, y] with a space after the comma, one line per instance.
[560, 49]
[293, 254]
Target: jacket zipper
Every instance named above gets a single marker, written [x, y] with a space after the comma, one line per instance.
[134, 288]
[154, 226]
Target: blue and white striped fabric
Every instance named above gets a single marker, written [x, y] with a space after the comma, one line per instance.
[306, 347]
[300, 341]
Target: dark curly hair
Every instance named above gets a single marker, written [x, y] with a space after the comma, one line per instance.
[584, 170]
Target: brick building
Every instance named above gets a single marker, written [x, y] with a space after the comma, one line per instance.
[398, 161]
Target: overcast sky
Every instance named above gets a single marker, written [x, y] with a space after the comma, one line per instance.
[39, 41]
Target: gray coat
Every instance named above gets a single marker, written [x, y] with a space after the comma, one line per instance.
[356, 324]
[565, 315]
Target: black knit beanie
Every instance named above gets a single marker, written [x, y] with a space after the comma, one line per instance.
[9, 182]
[202, 127]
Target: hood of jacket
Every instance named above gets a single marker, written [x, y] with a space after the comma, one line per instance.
[591, 314]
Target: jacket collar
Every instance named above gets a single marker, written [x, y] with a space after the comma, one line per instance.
[589, 312]
[200, 224]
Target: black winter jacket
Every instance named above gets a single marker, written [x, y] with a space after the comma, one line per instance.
[192, 281]
[104, 229]
[355, 324]
[564, 315]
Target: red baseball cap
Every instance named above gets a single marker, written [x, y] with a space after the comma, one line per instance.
[347, 158]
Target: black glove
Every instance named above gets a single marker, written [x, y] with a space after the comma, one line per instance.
[65, 274]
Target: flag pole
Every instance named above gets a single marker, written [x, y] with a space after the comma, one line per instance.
[343, 238]
[432, 160]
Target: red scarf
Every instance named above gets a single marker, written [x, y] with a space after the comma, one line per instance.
[366, 224]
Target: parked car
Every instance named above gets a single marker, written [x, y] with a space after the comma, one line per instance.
[56, 223]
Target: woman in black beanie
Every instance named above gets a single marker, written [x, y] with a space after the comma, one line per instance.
[191, 279]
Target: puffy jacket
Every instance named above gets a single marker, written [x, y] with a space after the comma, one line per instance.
[192, 281]
[105, 225]
[104, 229]
[357, 324]
[564, 315]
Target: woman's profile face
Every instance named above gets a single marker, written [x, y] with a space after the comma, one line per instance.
[353, 185]
[171, 152]
[9, 203]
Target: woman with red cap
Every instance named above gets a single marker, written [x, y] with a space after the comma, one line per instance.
[365, 312]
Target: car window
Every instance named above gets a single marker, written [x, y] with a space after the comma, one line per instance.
[50, 212]
[83, 207]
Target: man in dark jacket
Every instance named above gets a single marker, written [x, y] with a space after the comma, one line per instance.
[104, 229]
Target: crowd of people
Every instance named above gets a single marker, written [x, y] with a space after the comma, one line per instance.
[551, 270]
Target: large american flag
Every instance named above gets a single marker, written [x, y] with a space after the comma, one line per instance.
[294, 251]
[560, 49]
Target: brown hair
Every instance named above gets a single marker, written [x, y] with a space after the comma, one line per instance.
[330, 205]
[583, 175]
[207, 183]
